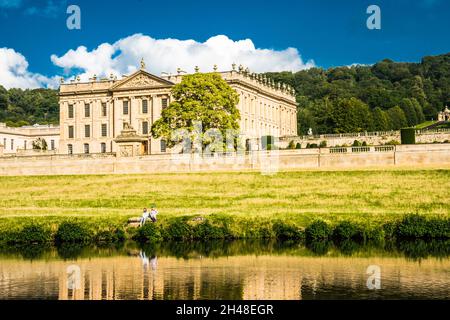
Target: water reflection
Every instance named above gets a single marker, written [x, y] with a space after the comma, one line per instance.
[226, 270]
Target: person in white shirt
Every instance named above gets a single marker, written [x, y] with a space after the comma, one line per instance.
[153, 213]
[144, 217]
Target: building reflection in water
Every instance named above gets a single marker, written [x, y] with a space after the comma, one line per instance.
[139, 276]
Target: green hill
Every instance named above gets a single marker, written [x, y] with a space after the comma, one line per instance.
[23, 107]
[387, 95]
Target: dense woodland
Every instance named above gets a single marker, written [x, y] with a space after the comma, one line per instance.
[24, 107]
[384, 96]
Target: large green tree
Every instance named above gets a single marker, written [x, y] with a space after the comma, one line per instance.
[201, 98]
[410, 112]
[381, 121]
[351, 115]
[398, 118]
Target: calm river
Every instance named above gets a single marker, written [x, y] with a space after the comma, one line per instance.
[227, 270]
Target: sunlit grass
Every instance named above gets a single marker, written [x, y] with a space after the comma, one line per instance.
[303, 196]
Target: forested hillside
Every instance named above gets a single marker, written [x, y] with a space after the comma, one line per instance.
[23, 107]
[385, 96]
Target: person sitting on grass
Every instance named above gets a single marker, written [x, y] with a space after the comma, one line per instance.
[153, 213]
[144, 217]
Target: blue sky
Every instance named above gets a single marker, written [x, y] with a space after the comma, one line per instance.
[324, 32]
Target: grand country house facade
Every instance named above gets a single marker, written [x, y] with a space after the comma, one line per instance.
[93, 114]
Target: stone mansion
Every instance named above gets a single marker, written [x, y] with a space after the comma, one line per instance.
[96, 115]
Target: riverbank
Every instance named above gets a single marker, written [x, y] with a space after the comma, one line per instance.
[223, 205]
[222, 227]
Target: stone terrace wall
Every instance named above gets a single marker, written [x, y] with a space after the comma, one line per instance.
[266, 162]
[371, 138]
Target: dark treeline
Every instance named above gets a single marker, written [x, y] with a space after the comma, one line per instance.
[385, 96]
[26, 107]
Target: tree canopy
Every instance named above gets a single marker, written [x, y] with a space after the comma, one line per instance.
[25, 107]
[200, 98]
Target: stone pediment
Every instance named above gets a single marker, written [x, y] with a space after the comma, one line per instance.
[141, 79]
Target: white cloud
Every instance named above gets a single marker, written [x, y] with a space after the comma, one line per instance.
[166, 55]
[123, 57]
[14, 72]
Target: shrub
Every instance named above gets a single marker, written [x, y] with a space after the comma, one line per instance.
[389, 229]
[408, 135]
[376, 234]
[149, 232]
[72, 232]
[323, 144]
[32, 233]
[312, 146]
[347, 230]
[392, 143]
[291, 145]
[286, 231]
[206, 230]
[364, 144]
[298, 145]
[438, 228]
[179, 229]
[412, 226]
[318, 230]
[356, 143]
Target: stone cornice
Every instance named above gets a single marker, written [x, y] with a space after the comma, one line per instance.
[262, 91]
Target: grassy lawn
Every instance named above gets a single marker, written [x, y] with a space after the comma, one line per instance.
[424, 124]
[374, 195]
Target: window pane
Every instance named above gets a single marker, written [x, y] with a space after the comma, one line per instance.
[163, 145]
[87, 110]
[104, 130]
[70, 111]
[70, 149]
[125, 107]
[86, 148]
[104, 109]
[144, 106]
[103, 147]
[164, 103]
[145, 127]
[70, 132]
[87, 131]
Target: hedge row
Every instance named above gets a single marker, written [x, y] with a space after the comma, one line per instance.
[229, 227]
[412, 226]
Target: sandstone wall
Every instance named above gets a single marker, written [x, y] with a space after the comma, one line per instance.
[266, 162]
[371, 138]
